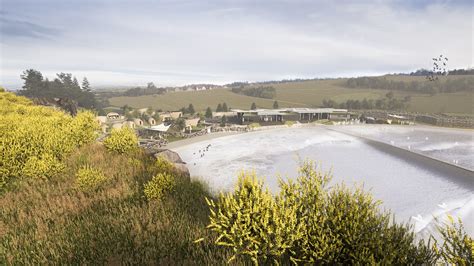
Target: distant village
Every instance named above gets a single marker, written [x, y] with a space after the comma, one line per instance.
[163, 126]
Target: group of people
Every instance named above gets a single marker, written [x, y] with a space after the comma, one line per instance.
[203, 151]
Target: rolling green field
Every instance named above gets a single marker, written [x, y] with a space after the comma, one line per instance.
[302, 94]
[200, 99]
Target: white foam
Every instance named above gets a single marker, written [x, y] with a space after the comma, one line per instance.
[444, 146]
[463, 209]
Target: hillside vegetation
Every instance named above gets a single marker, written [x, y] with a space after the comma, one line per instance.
[85, 202]
[200, 100]
[310, 93]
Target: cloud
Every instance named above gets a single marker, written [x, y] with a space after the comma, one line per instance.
[178, 42]
[14, 28]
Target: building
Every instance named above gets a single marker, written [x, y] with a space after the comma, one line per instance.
[169, 116]
[275, 116]
[129, 124]
[312, 114]
[101, 119]
[398, 119]
[138, 122]
[117, 125]
[113, 116]
[221, 114]
[193, 122]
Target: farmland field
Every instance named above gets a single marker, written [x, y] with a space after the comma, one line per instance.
[301, 94]
[200, 99]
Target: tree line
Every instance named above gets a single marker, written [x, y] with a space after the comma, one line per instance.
[389, 102]
[63, 86]
[267, 92]
[426, 72]
[150, 89]
[426, 87]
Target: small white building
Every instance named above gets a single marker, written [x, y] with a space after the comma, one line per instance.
[138, 122]
[101, 119]
[151, 121]
[168, 116]
[129, 124]
[113, 116]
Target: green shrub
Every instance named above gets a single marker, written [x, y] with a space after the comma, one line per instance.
[159, 185]
[122, 141]
[308, 222]
[89, 178]
[458, 247]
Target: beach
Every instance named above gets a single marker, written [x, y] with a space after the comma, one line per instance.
[184, 142]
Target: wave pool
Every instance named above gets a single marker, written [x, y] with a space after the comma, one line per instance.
[415, 188]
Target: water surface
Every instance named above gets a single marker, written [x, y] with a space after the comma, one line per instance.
[411, 187]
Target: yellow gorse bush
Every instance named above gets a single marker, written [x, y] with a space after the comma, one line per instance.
[89, 178]
[253, 223]
[35, 139]
[121, 141]
[160, 184]
[458, 247]
[309, 222]
[44, 166]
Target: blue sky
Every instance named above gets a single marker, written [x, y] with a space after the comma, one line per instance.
[115, 42]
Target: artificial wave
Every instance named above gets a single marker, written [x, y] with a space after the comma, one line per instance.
[388, 162]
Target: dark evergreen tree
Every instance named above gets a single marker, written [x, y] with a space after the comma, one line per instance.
[63, 86]
[224, 107]
[223, 121]
[191, 109]
[275, 105]
[208, 112]
[219, 108]
[85, 85]
[253, 106]
[33, 83]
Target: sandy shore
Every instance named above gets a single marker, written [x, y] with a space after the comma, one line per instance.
[184, 142]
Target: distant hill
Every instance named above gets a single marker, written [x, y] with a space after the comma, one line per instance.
[308, 93]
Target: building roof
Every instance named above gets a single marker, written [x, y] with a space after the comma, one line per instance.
[113, 114]
[160, 127]
[397, 116]
[294, 110]
[220, 114]
[316, 110]
[192, 122]
[270, 112]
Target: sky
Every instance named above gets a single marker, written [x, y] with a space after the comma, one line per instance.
[130, 43]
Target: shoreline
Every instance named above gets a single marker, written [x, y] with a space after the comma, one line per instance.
[184, 142]
[434, 163]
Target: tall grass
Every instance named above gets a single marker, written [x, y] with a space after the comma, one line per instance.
[54, 222]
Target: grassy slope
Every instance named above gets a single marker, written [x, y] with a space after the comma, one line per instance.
[200, 99]
[303, 94]
[53, 222]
